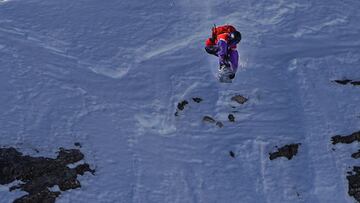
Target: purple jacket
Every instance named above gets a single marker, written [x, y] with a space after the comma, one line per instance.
[225, 54]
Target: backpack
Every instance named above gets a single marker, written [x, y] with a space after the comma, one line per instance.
[221, 30]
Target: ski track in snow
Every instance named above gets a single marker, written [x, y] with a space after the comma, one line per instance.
[97, 74]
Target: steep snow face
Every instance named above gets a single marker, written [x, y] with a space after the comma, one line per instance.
[109, 74]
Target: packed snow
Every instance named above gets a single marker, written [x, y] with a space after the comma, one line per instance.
[110, 74]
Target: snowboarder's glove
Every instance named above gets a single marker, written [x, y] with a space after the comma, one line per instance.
[211, 50]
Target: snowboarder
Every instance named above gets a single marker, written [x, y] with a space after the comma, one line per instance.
[223, 45]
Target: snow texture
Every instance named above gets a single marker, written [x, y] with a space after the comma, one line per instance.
[109, 75]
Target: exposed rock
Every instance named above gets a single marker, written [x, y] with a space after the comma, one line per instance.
[38, 174]
[197, 99]
[232, 154]
[231, 118]
[354, 183]
[287, 151]
[239, 99]
[346, 81]
[181, 105]
[353, 176]
[356, 155]
[77, 144]
[219, 124]
[347, 139]
[209, 119]
[42, 196]
[342, 82]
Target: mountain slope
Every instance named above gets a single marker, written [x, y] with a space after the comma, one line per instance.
[110, 75]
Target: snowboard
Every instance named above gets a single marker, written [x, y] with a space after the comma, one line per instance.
[224, 75]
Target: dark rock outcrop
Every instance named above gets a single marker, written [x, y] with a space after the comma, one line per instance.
[346, 139]
[287, 151]
[356, 155]
[38, 174]
[181, 106]
[354, 183]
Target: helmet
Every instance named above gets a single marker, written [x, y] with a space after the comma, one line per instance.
[235, 37]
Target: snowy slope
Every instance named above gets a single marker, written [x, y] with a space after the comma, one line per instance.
[109, 74]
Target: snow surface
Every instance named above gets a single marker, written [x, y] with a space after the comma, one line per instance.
[109, 74]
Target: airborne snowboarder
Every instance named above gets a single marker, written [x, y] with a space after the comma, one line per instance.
[223, 45]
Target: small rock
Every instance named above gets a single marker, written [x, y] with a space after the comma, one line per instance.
[239, 99]
[231, 118]
[181, 105]
[208, 119]
[77, 144]
[219, 124]
[197, 99]
[232, 154]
